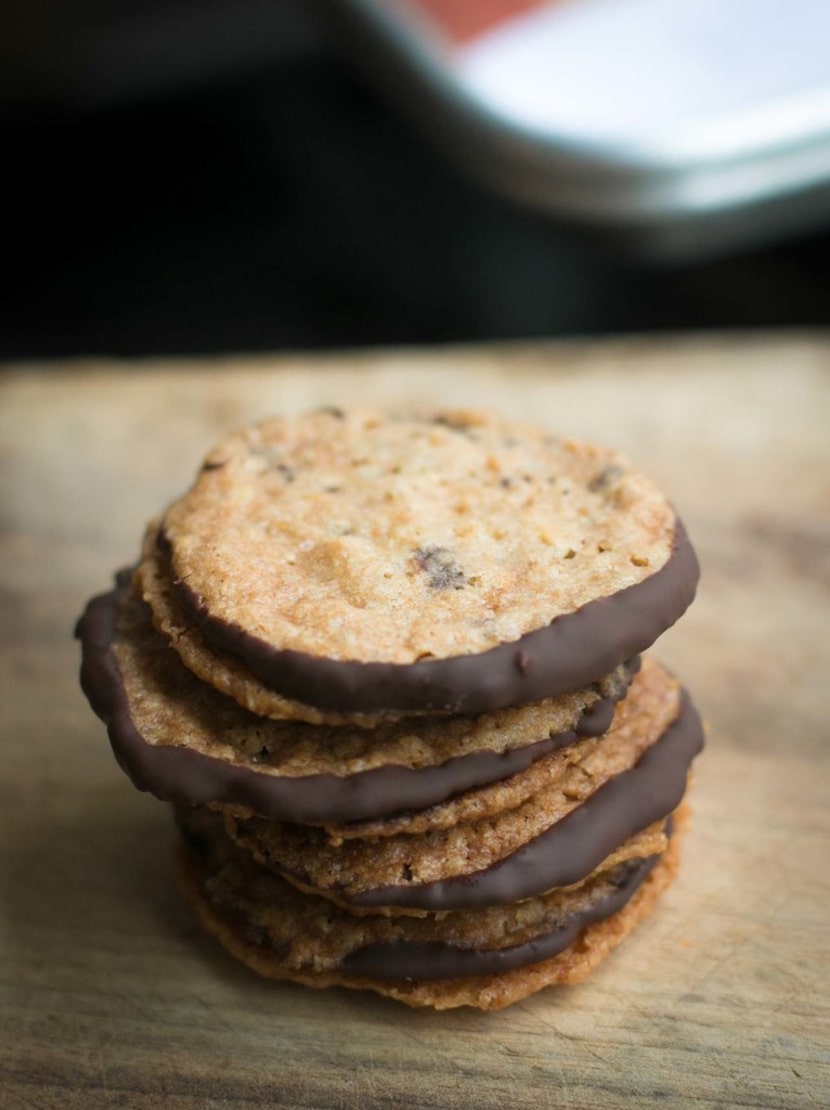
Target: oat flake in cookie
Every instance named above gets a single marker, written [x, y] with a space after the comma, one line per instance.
[364, 563]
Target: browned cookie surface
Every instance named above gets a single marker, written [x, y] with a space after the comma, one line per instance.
[364, 563]
[651, 704]
[438, 961]
[184, 741]
[620, 784]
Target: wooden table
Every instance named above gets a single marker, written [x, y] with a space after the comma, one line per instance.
[111, 997]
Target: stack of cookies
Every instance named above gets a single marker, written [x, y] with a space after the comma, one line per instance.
[388, 670]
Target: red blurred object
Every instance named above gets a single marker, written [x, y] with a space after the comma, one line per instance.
[463, 20]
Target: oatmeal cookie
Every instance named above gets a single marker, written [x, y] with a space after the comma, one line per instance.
[486, 958]
[369, 565]
[183, 741]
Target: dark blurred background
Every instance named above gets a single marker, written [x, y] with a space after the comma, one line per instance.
[208, 177]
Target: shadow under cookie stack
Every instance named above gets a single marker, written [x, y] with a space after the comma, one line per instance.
[388, 670]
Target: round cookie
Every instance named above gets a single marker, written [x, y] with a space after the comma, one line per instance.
[649, 692]
[185, 742]
[363, 563]
[484, 958]
[373, 660]
[621, 784]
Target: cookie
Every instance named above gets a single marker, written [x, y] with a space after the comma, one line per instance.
[361, 564]
[387, 669]
[183, 741]
[580, 811]
[485, 958]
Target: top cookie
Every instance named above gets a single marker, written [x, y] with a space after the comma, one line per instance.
[369, 562]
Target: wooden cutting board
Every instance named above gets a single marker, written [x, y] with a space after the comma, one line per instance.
[111, 997]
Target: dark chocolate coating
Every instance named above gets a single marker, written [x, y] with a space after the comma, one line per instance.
[188, 777]
[571, 849]
[572, 651]
[436, 960]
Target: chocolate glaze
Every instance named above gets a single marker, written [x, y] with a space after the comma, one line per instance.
[203, 833]
[436, 960]
[181, 775]
[572, 651]
[572, 848]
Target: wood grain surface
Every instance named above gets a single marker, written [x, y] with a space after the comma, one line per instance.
[109, 994]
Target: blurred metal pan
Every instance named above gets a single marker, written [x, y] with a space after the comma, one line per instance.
[686, 127]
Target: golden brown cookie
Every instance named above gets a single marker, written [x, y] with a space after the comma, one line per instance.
[360, 564]
[185, 742]
[483, 958]
[385, 667]
[652, 702]
[582, 810]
